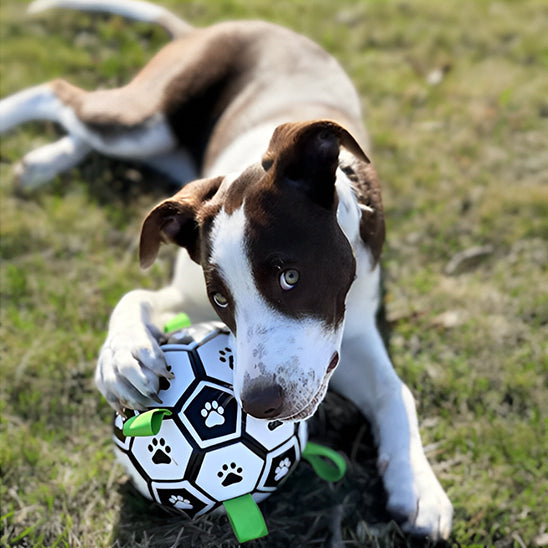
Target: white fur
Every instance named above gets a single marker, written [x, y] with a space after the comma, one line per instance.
[30, 104]
[43, 164]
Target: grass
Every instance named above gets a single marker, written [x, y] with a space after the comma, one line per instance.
[463, 163]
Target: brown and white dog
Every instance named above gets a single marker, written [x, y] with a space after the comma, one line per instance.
[281, 234]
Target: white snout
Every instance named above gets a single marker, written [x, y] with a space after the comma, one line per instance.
[285, 362]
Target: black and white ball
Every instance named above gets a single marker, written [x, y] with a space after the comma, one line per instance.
[208, 450]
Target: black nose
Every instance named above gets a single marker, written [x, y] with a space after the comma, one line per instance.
[263, 402]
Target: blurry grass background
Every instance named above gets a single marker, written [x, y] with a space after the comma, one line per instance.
[455, 96]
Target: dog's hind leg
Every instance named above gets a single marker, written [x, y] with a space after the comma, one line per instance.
[43, 164]
[35, 103]
[108, 121]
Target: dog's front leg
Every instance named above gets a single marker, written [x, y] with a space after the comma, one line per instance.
[366, 377]
[131, 361]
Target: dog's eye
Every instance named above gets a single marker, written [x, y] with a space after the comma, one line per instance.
[289, 278]
[220, 300]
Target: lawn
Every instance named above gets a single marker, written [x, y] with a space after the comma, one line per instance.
[455, 96]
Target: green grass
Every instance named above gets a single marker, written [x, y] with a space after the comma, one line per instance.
[464, 163]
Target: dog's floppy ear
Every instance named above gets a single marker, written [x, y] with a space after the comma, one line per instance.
[175, 220]
[307, 153]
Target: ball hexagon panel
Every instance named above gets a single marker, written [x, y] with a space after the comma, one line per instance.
[202, 332]
[269, 434]
[279, 464]
[229, 472]
[212, 415]
[164, 456]
[182, 496]
[178, 362]
[118, 435]
[217, 358]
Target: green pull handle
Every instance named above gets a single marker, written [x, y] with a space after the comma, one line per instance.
[246, 518]
[145, 424]
[328, 464]
[178, 322]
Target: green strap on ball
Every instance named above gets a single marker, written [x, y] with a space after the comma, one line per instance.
[178, 322]
[145, 424]
[328, 464]
[246, 518]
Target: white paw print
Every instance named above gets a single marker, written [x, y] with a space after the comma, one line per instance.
[282, 469]
[180, 502]
[213, 414]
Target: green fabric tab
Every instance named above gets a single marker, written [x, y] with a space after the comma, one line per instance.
[179, 322]
[145, 424]
[246, 518]
[328, 464]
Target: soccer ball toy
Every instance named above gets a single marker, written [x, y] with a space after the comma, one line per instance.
[206, 450]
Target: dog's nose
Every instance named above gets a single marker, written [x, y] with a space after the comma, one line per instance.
[263, 402]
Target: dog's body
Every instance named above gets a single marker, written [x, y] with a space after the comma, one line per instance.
[285, 227]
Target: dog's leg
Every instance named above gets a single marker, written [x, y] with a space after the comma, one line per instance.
[140, 138]
[131, 361]
[367, 377]
[35, 103]
[43, 164]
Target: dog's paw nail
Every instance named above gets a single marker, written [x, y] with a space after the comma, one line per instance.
[155, 398]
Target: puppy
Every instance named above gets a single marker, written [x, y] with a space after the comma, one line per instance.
[280, 223]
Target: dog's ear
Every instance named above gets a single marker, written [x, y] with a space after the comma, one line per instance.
[307, 153]
[175, 220]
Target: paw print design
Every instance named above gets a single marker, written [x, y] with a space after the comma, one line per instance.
[282, 469]
[213, 414]
[160, 451]
[225, 356]
[180, 502]
[230, 474]
[164, 383]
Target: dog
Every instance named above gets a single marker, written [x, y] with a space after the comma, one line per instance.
[280, 222]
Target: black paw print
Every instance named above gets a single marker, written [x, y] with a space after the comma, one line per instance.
[160, 450]
[230, 474]
[225, 356]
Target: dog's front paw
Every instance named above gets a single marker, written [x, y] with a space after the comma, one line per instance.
[415, 497]
[130, 365]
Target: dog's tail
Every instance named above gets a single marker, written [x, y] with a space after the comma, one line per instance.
[132, 9]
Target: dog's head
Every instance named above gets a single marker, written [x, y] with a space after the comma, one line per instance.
[276, 262]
